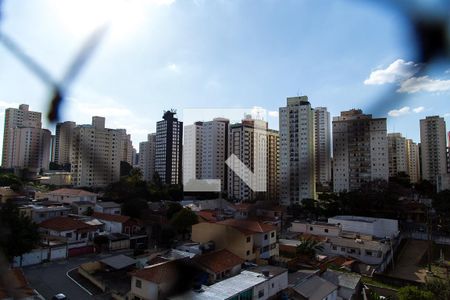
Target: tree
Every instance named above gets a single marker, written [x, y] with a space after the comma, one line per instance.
[173, 208]
[309, 247]
[18, 234]
[101, 241]
[11, 180]
[134, 207]
[413, 293]
[183, 220]
[440, 288]
[125, 168]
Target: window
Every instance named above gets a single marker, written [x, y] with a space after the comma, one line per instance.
[326, 230]
[248, 252]
[261, 294]
[265, 236]
[69, 234]
[248, 239]
[310, 228]
[272, 234]
[138, 283]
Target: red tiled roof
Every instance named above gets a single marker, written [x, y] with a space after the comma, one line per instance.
[219, 261]
[159, 273]
[71, 192]
[208, 215]
[111, 218]
[65, 223]
[248, 226]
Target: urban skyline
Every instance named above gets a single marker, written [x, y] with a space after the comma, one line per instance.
[304, 57]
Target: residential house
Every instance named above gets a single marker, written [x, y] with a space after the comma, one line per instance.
[6, 193]
[82, 207]
[219, 264]
[75, 231]
[349, 284]
[266, 282]
[314, 288]
[107, 207]
[118, 223]
[44, 211]
[247, 239]
[71, 195]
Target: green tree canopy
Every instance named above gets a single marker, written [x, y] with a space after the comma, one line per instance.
[18, 234]
[183, 220]
[134, 207]
[309, 247]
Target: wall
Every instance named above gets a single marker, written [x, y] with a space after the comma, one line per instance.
[317, 229]
[37, 256]
[379, 228]
[149, 290]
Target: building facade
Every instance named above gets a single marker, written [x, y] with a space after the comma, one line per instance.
[297, 153]
[96, 154]
[322, 135]
[63, 142]
[248, 142]
[273, 166]
[412, 152]
[147, 151]
[360, 150]
[397, 154]
[168, 157]
[14, 118]
[433, 148]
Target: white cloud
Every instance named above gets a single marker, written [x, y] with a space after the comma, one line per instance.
[174, 68]
[273, 113]
[399, 112]
[259, 113]
[423, 84]
[405, 110]
[447, 115]
[419, 109]
[397, 71]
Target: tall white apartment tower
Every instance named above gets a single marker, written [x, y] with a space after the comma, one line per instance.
[360, 150]
[205, 150]
[412, 152]
[322, 135]
[14, 118]
[96, 154]
[433, 148]
[147, 157]
[63, 142]
[297, 168]
[248, 141]
[169, 138]
[397, 154]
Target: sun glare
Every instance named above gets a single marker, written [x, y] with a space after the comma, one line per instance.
[81, 17]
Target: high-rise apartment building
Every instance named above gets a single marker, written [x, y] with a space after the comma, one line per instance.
[127, 148]
[397, 154]
[273, 166]
[322, 138]
[169, 137]
[147, 151]
[297, 168]
[63, 142]
[412, 150]
[433, 148]
[205, 150]
[360, 150]
[96, 154]
[248, 141]
[14, 118]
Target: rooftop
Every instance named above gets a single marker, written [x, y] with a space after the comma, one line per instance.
[119, 261]
[342, 279]
[108, 204]
[64, 224]
[226, 288]
[219, 261]
[248, 226]
[315, 288]
[300, 276]
[358, 243]
[71, 192]
[159, 273]
[111, 218]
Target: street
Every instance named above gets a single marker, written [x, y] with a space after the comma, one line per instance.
[52, 278]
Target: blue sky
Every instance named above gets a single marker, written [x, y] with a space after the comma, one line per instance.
[162, 54]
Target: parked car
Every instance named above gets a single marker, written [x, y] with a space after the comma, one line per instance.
[59, 296]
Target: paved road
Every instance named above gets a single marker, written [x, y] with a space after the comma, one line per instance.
[51, 278]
